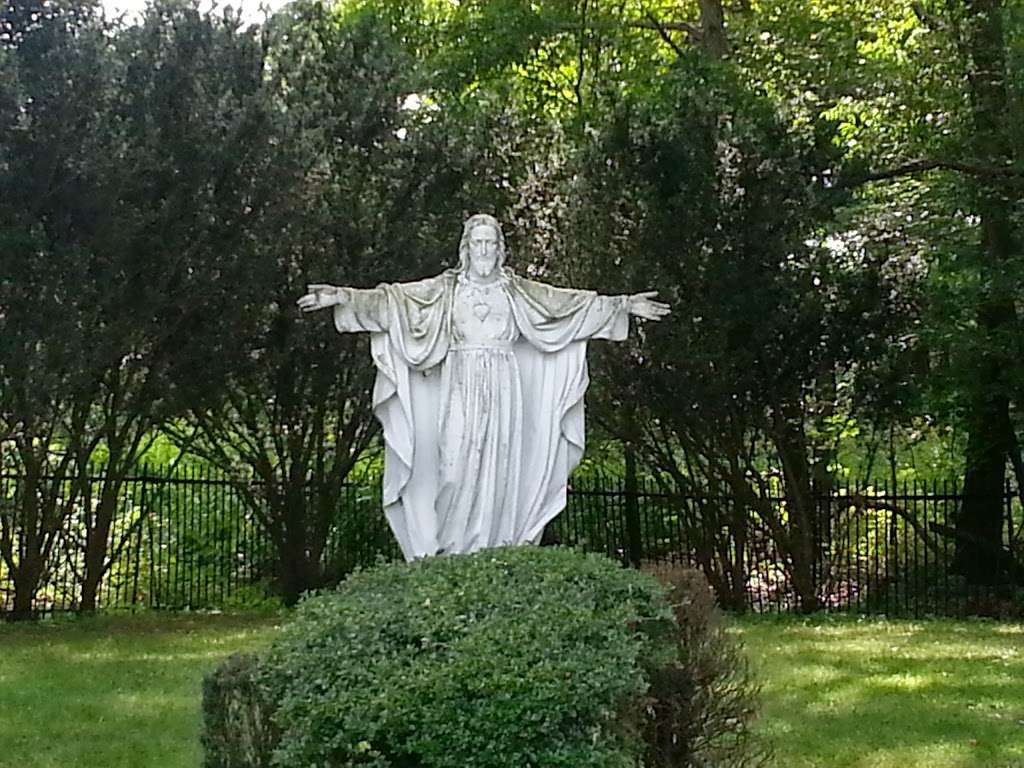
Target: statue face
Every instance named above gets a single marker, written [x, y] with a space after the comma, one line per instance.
[483, 251]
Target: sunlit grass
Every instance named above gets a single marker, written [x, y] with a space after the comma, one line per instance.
[124, 692]
[871, 693]
[113, 692]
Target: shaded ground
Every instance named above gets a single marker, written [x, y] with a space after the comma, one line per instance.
[871, 693]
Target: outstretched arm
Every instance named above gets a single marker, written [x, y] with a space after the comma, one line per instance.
[551, 317]
[355, 309]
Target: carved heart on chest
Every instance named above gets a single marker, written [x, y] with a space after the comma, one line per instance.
[481, 310]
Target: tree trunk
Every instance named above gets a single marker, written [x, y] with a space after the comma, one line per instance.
[634, 532]
[299, 561]
[791, 443]
[298, 573]
[97, 543]
[979, 523]
[739, 522]
[41, 504]
[95, 559]
[712, 29]
[26, 579]
[90, 586]
[980, 520]
[27, 568]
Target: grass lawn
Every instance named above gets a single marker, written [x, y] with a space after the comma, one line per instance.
[113, 692]
[871, 693]
[123, 692]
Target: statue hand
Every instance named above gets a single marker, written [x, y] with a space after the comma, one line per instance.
[643, 305]
[321, 296]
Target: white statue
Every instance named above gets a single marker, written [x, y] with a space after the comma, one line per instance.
[480, 381]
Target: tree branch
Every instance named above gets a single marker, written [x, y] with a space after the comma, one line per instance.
[650, 23]
[861, 503]
[665, 36]
[581, 58]
[923, 166]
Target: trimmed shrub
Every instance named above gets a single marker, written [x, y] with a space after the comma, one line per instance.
[237, 728]
[703, 703]
[504, 659]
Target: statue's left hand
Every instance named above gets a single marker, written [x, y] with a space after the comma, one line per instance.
[643, 305]
[321, 296]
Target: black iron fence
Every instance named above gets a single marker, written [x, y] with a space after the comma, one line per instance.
[870, 548]
[194, 540]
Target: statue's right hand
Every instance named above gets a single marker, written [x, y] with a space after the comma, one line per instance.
[321, 296]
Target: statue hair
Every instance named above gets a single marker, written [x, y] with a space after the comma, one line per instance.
[476, 220]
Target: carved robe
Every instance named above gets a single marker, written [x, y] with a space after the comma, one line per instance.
[480, 394]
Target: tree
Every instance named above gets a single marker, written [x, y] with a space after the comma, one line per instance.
[710, 199]
[54, 62]
[924, 94]
[980, 554]
[140, 168]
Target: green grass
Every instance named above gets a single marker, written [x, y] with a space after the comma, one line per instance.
[869, 693]
[123, 692]
[113, 692]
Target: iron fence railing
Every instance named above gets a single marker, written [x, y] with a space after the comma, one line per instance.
[192, 539]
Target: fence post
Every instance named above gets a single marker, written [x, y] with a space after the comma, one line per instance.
[634, 534]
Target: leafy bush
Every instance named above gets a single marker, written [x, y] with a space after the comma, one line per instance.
[506, 658]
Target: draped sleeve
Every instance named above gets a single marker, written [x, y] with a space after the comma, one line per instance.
[412, 341]
[362, 310]
[551, 318]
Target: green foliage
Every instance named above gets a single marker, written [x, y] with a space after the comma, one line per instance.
[509, 657]
[926, 99]
[702, 191]
[833, 210]
[372, 184]
[132, 166]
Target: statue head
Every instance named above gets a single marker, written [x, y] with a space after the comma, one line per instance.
[482, 248]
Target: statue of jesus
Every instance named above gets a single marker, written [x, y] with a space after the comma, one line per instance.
[480, 381]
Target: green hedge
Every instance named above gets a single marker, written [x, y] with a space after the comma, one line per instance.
[504, 659]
